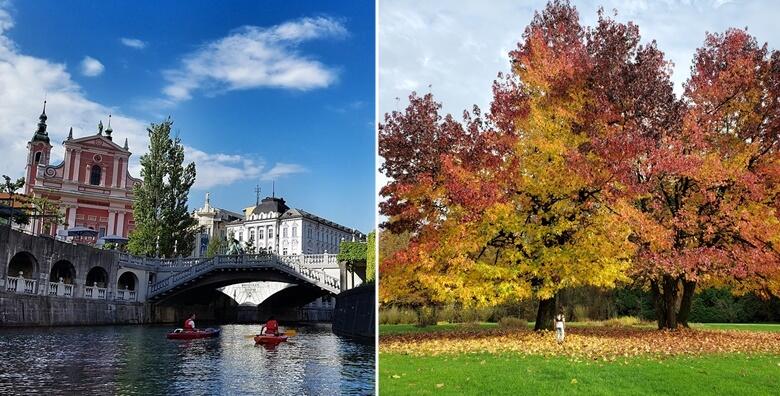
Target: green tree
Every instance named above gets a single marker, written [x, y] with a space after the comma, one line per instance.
[371, 257]
[10, 187]
[249, 246]
[163, 223]
[215, 247]
[47, 213]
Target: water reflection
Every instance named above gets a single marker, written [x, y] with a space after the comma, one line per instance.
[139, 360]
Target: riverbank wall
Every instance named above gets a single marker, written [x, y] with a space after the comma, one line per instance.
[33, 310]
[355, 313]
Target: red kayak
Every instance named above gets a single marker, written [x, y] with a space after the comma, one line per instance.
[270, 339]
[180, 334]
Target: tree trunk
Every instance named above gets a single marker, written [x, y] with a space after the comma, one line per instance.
[545, 314]
[685, 304]
[660, 314]
[669, 300]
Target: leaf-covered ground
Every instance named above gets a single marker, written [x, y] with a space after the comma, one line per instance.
[584, 344]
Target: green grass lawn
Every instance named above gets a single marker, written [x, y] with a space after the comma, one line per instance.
[487, 374]
[738, 326]
[515, 374]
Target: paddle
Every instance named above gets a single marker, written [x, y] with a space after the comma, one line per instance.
[288, 333]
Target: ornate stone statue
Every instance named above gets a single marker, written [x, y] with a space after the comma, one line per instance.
[100, 127]
[233, 246]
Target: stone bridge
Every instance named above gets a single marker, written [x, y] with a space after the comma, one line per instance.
[36, 265]
[174, 276]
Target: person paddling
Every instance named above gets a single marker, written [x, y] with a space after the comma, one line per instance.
[271, 327]
[189, 324]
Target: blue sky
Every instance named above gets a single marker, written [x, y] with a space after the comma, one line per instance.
[259, 91]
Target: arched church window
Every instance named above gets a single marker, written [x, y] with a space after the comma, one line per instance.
[94, 175]
[38, 156]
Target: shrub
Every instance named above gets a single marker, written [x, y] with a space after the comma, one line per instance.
[471, 326]
[426, 316]
[623, 321]
[511, 322]
[447, 314]
[580, 313]
[395, 315]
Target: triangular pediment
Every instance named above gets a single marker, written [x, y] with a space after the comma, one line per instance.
[97, 141]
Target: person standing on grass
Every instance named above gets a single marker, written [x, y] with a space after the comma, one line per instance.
[559, 327]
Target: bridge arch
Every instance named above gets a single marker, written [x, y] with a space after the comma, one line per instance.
[127, 281]
[97, 276]
[63, 269]
[24, 262]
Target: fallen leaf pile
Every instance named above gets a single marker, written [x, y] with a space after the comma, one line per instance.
[597, 343]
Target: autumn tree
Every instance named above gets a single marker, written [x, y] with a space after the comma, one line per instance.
[707, 189]
[519, 205]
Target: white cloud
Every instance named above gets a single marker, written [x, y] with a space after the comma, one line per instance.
[25, 80]
[225, 169]
[91, 67]
[255, 57]
[133, 43]
[459, 47]
[281, 170]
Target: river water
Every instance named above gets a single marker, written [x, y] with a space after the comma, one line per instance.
[140, 360]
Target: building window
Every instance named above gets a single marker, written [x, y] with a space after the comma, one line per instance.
[284, 252]
[251, 235]
[270, 232]
[94, 175]
[38, 156]
[295, 231]
[260, 233]
[240, 236]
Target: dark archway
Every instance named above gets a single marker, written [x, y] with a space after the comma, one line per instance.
[127, 281]
[97, 276]
[25, 263]
[63, 269]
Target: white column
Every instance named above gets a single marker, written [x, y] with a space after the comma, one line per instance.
[114, 178]
[76, 167]
[102, 176]
[111, 219]
[120, 227]
[72, 217]
[66, 171]
[123, 173]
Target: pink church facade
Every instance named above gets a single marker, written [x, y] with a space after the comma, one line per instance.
[92, 185]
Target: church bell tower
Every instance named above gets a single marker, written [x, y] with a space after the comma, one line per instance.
[38, 152]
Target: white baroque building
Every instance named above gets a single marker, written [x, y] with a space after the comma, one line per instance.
[212, 222]
[273, 226]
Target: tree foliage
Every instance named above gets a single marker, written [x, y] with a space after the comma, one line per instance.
[11, 187]
[587, 171]
[164, 225]
[371, 257]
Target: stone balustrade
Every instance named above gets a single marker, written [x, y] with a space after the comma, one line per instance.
[19, 284]
[94, 292]
[126, 295]
[60, 289]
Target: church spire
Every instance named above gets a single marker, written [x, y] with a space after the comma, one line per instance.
[109, 131]
[40, 134]
[125, 144]
[70, 134]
